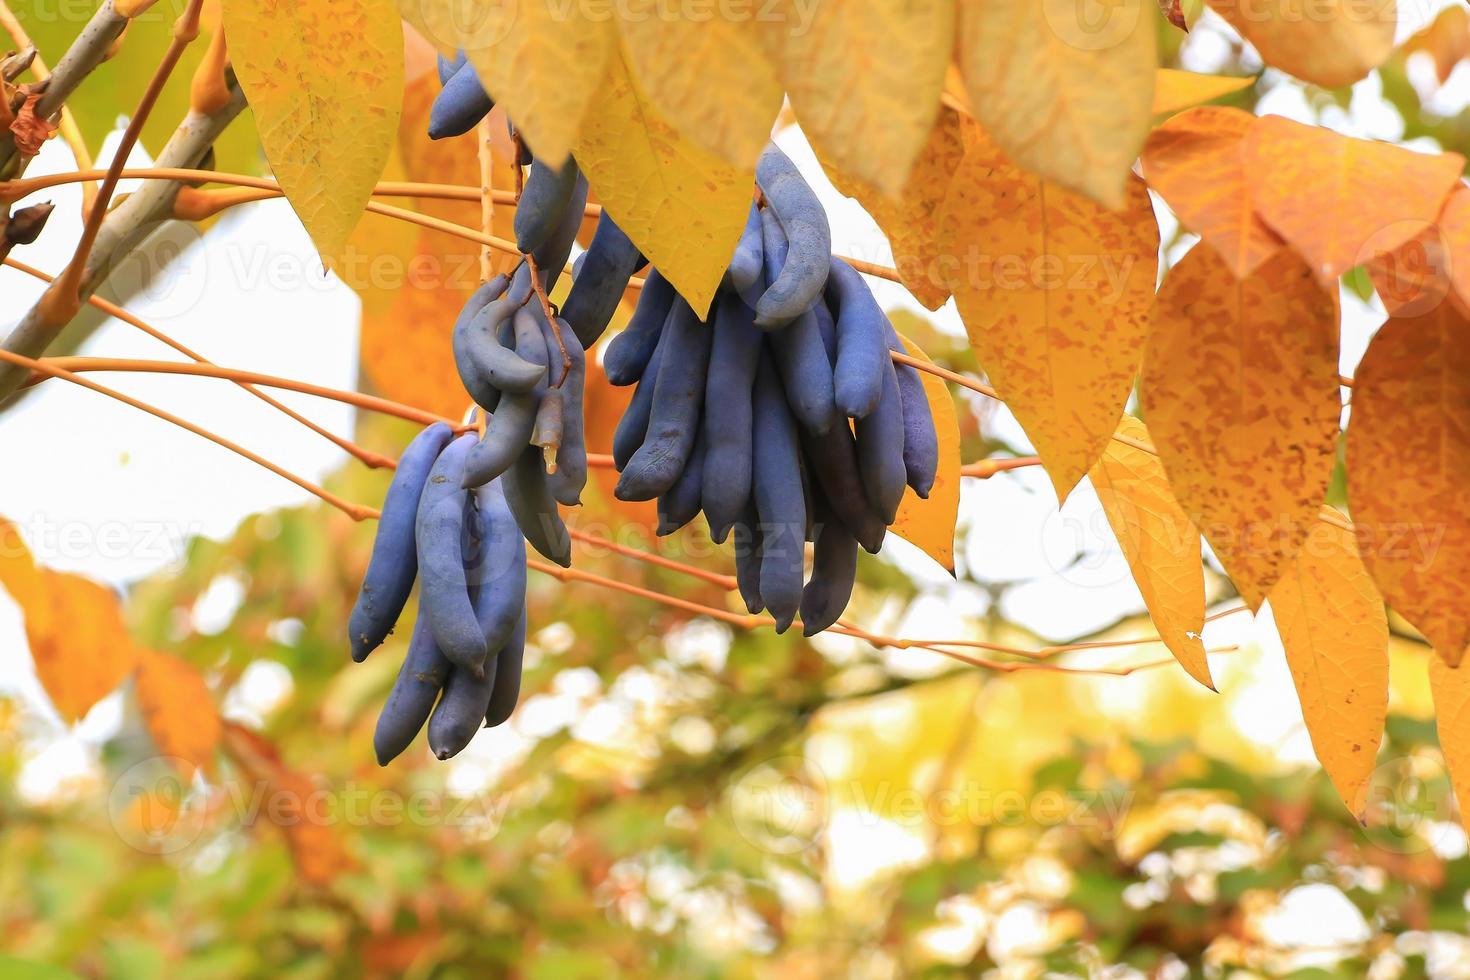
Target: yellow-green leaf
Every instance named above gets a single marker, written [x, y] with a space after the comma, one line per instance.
[1055, 292]
[1334, 629]
[864, 77]
[709, 77]
[1064, 87]
[325, 83]
[1160, 542]
[1240, 392]
[542, 60]
[681, 205]
[929, 523]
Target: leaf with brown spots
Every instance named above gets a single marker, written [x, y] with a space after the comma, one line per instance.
[1340, 201]
[1240, 392]
[1055, 292]
[1335, 632]
[1328, 42]
[1196, 164]
[1065, 91]
[177, 708]
[1160, 542]
[1408, 450]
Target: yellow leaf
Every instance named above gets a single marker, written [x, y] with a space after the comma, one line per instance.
[930, 523]
[1408, 451]
[709, 77]
[541, 60]
[177, 708]
[1055, 293]
[680, 204]
[1064, 87]
[1160, 542]
[325, 84]
[1335, 632]
[1175, 89]
[910, 219]
[1328, 42]
[1240, 392]
[1340, 201]
[1196, 163]
[864, 77]
[1451, 689]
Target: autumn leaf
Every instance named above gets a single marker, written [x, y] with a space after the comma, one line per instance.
[1340, 201]
[1160, 542]
[177, 708]
[911, 218]
[1408, 451]
[1196, 163]
[1327, 42]
[1451, 689]
[1414, 277]
[864, 77]
[1055, 293]
[1065, 89]
[1446, 40]
[1175, 90]
[541, 60]
[604, 407]
[325, 84]
[1240, 392]
[709, 77]
[74, 627]
[1335, 632]
[930, 523]
[680, 204]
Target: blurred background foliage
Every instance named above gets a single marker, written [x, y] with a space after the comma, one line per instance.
[676, 797]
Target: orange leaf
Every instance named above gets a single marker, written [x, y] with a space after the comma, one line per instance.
[1408, 452]
[1329, 42]
[1416, 276]
[1055, 293]
[1335, 632]
[910, 219]
[1454, 226]
[604, 405]
[1340, 201]
[1161, 544]
[1195, 163]
[930, 523]
[1240, 390]
[1447, 40]
[1450, 688]
[1175, 89]
[177, 708]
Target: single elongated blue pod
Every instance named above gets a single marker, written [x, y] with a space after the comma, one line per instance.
[834, 569]
[530, 500]
[628, 353]
[551, 256]
[424, 672]
[920, 441]
[862, 341]
[460, 105]
[803, 273]
[571, 455]
[443, 535]
[747, 265]
[507, 690]
[544, 200]
[780, 498]
[508, 430]
[602, 274]
[728, 422]
[880, 440]
[633, 426]
[673, 419]
[680, 504]
[798, 350]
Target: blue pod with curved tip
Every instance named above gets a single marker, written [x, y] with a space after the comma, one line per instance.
[920, 441]
[834, 569]
[748, 263]
[497, 573]
[780, 498]
[803, 271]
[629, 352]
[460, 105]
[832, 461]
[424, 672]
[599, 279]
[460, 712]
[508, 430]
[571, 455]
[673, 418]
[487, 368]
[551, 256]
[543, 201]
[800, 354]
[447, 68]
[880, 439]
[507, 689]
[681, 504]
[394, 563]
[862, 341]
[443, 535]
[530, 500]
[746, 534]
[633, 426]
[734, 356]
